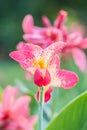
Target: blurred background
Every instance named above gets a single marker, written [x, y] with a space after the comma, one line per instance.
[12, 13]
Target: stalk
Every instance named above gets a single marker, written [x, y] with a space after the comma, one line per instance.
[41, 103]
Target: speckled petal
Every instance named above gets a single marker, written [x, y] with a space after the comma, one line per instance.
[53, 49]
[67, 79]
[25, 58]
[54, 63]
[35, 50]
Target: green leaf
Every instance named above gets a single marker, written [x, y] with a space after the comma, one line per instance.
[73, 116]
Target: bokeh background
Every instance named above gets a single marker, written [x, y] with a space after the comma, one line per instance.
[12, 13]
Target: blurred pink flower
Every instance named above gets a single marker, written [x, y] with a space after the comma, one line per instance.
[75, 44]
[32, 33]
[14, 112]
[44, 64]
[77, 27]
[44, 36]
[58, 30]
[75, 41]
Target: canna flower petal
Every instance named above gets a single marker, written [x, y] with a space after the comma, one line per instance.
[79, 58]
[34, 38]
[8, 97]
[25, 58]
[53, 68]
[20, 45]
[24, 124]
[35, 50]
[23, 103]
[67, 79]
[46, 21]
[83, 44]
[28, 24]
[42, 78]
[48, 94]
[33, 119]
[53, 49]
[75, 39]
[54, 64]
[60, 19]
[38, 78]
[12, 126]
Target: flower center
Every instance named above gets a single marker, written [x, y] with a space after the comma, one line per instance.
[52, 33]
[40, 63]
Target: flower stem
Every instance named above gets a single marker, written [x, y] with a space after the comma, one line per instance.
[40, 123]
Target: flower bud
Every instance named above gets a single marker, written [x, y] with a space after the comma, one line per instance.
[47, 94]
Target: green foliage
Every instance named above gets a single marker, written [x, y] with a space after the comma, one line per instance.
[72, 117]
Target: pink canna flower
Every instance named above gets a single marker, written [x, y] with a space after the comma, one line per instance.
[76, 43]
[32, 33]
[14, 112]
[44, 36]
[44, 64]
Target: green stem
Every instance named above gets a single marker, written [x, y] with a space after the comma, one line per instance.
[40, 121]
